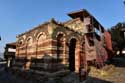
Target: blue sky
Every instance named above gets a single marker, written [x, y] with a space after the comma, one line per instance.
[17, 16]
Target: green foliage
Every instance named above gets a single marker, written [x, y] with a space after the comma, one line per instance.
[117, 38]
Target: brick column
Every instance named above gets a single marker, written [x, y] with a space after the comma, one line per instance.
[77, 54]
[64, 51]
[83, 56]
[28, 57]
[36, 48]
[28, 63]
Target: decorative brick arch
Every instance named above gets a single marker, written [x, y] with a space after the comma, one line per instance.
[41, 34]
[29, 42]
[73, 35]
[57, 31]
[40, 37]
[21, 40]
[60, 32]
[60, 43]
[20, 43]
[28, 51]
[30, 36]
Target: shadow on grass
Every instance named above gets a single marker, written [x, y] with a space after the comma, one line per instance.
[118, 61]
[96, 80]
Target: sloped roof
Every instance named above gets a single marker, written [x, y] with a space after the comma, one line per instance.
[52, 20]
[84, 13]
[11, 44]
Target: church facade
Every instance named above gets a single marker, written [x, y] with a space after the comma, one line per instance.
[75, 42]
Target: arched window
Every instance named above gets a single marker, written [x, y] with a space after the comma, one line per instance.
[20, 42]
[59, 44]
[42, 36]
[40, 39]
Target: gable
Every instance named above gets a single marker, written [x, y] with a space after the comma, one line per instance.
[76, 25]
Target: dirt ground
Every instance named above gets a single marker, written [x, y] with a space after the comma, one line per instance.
[114, 74]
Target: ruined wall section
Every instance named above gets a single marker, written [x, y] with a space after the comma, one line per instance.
[33, 42]
[76, 25]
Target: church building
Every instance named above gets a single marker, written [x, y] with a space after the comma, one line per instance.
[80, 41]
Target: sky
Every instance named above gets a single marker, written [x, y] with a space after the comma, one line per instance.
[18, 16]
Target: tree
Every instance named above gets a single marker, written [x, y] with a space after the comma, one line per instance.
[117, 38]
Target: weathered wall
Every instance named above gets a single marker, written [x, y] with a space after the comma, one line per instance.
[51, 39]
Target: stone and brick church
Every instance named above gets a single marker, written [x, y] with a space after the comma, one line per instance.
[81, 41]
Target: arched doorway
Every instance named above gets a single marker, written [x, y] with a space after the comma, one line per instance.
[72, 48]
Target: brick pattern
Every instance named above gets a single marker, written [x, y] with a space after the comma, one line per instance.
[53, 39]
